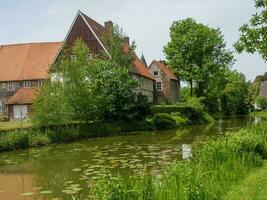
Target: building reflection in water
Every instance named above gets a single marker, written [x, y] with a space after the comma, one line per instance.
[186, 151]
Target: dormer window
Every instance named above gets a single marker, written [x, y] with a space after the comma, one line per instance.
[10, 86]
[156, 73]
[73, 58]
[27, 84]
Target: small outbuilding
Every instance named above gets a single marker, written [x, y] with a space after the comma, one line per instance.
[19, 106]
[167, 88]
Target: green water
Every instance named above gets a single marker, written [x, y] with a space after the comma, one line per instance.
[65, 170]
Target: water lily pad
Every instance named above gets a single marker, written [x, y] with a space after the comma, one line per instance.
[46, 192]
[37, 188]
[77, 170]
[26, 194]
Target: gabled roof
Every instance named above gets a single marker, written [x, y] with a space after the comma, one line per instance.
[139, 68]
[98, 30]
[165, 69]
[26, 61]
[23, 96]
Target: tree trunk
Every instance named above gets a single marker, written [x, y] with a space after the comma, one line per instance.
[191, 88]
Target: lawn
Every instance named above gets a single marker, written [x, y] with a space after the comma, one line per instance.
[13, 124]
[254, 187]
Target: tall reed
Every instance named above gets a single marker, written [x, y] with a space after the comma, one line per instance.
[216, 166]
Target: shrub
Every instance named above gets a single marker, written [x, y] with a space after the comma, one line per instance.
[39, 139]
[164, 121]
[179, 120]
[14, 140]
[192, 110]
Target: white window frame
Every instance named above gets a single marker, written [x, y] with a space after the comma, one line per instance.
[10, 86]
[73, 58]
[40, 83]
[27, 84]
[159, 86]
[89, 56]
[156, 72]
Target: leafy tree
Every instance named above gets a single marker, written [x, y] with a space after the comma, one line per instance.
[260, 78]
[253, 35]
[197, 53]
[235, 94]
[92, 89]
[254, 89]
[51, 106]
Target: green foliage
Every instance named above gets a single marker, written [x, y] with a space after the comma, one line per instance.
[261, 102]
[253, 34]
[14, 141]
[164, 121]
[51, 106]
[191, 111]
[217, 165]
[254, 89]
[197, 53]
[38, 139]
[86, 90]
[260, 78]
[235, 96]
[179, 120]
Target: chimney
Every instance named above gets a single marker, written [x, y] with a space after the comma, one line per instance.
[127, 40]
[108, 26]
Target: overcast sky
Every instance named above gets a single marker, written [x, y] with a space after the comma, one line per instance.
[145, 21]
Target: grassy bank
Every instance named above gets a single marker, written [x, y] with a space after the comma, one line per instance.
[216, 167]
[253, 187]
[259, 113]
[14, 124]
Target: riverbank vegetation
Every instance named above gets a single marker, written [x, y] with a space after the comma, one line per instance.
[216, 166]
[253, 187]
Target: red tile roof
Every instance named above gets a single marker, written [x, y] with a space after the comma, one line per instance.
[165, 69]
[23, 96]
[140, 69]
[26, 61]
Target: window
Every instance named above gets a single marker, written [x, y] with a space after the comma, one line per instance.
[10, 87]
[73, 58]
[27, 84]
[40, 83]
[89, 56]
[156, 73]
[158, 86]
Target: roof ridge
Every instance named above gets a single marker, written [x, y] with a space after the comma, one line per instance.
[27, 43]
[91, 19]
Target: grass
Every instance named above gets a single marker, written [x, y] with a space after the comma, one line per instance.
[254, 187]
[217, 166]
[14, 124]
[259, 113]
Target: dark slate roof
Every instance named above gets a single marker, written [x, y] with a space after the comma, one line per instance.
[143, 60]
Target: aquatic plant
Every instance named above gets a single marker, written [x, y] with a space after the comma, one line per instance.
[217, 164]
